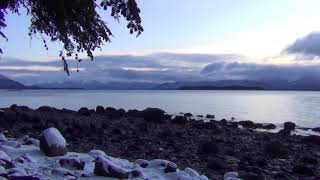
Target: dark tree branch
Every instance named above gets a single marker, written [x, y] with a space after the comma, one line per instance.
[75, 23]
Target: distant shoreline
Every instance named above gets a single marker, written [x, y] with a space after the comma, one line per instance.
[180, 89]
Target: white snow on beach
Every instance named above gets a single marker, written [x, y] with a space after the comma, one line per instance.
[17, 159]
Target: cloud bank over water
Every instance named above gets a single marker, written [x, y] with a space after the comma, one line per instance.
[307, 47]
[157, 68]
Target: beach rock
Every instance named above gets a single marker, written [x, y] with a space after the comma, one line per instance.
[167, 117]
[110, 109]
[208, 148]
[312, 139]
[52, 143]
[96, 153]
[72, 162]
[100, 109]
[63, 172]
[251, 176]
[32, 141]
[45, 109]
[230, 176]
[14, 107]
[283, 132]
[303, 170]
[5, 158]
[205, 125]
[289, 126]
[104, 167]
[2, 113]
[247, 124]
[121, 112]
[188, 115]
[217, 165]
[84, 111]
[142, 163]
[232, 125]
[269, 126]
[153, 114]
[170, 167]
[276, 149]
[179, 120]
[3, 138]
[16, 173]
[310, 160]
[317, 129]
[210, 116]
[134, 113]
[3, 171]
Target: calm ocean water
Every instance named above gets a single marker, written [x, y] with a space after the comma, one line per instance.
[276, 107]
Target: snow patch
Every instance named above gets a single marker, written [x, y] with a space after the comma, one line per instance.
[27, 161]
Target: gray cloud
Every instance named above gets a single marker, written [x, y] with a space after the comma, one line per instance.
[253, 71]
[308, 46]
[159, 68]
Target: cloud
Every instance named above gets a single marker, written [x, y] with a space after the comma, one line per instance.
[254, 71]
[308, 46]
[157, 68]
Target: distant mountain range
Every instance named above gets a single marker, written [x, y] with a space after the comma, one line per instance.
[306, 83]
[6, 83]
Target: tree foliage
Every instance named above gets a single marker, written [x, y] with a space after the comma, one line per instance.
[75, 23]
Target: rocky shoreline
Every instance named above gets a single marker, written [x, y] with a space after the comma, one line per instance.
[211, 148]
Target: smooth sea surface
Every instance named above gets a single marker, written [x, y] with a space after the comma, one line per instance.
[301, 107]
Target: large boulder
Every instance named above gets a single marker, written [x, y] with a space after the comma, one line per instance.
[289, 126]
[153, 115]
[52, 143]
[276, 149]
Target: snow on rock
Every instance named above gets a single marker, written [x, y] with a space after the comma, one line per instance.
[27, 161]
[105, 167]
[3, 138]
[2, 171]
[231, 176]
[97, 153]
[52, 143]
[32, 141]
[142, 163]
[4, 156]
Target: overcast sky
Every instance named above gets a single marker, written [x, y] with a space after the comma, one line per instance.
[247, 27]
[206, 39]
